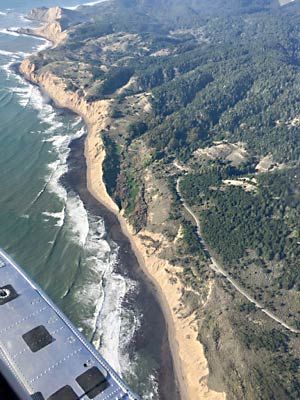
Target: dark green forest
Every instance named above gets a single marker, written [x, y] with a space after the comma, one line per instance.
[222, 71]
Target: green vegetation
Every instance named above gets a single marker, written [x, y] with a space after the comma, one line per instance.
[115, 79]
[202, 72]
[237, 221]
[111, 165]
[190, 239]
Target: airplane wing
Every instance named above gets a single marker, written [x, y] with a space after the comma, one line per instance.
[42, 355]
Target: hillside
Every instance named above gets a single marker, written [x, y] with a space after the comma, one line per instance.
[208, 92]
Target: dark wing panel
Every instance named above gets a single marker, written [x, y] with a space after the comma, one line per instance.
[41, 352]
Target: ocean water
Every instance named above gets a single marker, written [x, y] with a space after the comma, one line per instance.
[43, 224]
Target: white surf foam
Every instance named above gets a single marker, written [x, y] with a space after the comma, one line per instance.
[3, 13]
[61, 142]
[29, 95]
[43, 46]
[92, 3]
[59, 216]
[54, 133]
[7, 69]
[78, 218]
[153, 384]
[6, 53]
[77, 121]
[111, 318]
[23, 95]
[57, 169]
[106, 293]
[13, 58]
[10, 32]
[131, 322]
[21, 54]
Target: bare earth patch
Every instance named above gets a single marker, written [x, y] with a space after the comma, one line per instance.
[249, 185]
[268, 164]
[233, 152]
[293, 122]
[161, 53]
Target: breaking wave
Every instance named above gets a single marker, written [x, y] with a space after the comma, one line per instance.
[92, 3]
[104, 294]
[103, 289]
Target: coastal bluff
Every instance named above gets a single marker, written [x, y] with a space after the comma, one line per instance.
[188, 353]
[189, 358]
[55, 22]
[95, 115]
[46, 15]
[193, 145]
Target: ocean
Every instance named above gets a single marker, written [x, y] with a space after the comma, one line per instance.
[56, 231]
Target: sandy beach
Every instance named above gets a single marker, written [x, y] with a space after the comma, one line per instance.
[188, 354]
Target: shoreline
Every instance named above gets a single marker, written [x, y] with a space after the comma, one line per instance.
[188, 355]
[107, 203]
[146, 297]
[182, 333]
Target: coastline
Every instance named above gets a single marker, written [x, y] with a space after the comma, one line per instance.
[188, 353]
[153, 328]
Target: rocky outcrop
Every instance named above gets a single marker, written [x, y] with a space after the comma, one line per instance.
[44, 14]
[57, 20]
[52, 31]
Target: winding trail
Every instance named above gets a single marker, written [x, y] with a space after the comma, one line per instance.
[217, 268]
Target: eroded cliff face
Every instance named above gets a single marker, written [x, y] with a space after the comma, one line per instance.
[192, 372]
[44, 14]
[96, 115]
[183, 338]
[52, 31]
[56, 21]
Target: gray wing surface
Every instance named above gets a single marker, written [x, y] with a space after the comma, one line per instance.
[42, 354]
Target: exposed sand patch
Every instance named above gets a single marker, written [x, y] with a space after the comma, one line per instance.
[115, 41]
[140, 102]
[249, 185]
[161, 53]
[131, 83]
[233, 152]
[197, 33]
[179, 235]
[267, 164]
[293, 122]
[189, 359]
